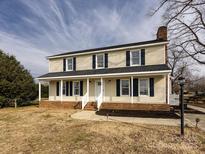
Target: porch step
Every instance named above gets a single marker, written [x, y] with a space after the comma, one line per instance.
[91, 106]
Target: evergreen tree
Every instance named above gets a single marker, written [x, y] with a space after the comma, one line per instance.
[15, 81]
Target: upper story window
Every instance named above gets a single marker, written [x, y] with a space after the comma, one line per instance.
[135, 57]
[69, 65]
[144, 86]
[100, 62]
[125, 87]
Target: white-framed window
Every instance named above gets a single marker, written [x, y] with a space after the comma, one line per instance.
[135, 57]
[69, 64]
[76, 88]
[144, 87]
[125, 87]
[100, 61]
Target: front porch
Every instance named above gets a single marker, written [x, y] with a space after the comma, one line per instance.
[105, 93]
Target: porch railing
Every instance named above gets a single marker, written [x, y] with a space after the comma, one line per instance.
[99, 100]
[84, 100]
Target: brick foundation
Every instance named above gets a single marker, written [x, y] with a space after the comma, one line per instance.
[60, 105]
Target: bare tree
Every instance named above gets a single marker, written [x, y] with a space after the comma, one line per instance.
[186, 25]
[185, 20]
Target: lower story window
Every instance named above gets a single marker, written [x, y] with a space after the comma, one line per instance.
[76, 88]
[125, 89]
[64, 87]
[144, 86]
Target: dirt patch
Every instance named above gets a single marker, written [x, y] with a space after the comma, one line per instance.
[36, 130]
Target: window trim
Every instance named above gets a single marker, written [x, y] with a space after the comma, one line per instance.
[131, 62]
[121, 87]
[67, 64]
[74, 88]
[148, 94]
[96, 61]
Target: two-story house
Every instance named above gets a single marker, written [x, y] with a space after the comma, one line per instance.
[127, 76]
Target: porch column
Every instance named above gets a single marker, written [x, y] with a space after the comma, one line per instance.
[88, 89]
[49, 89]
[102, 87]
[39, 91]
[131, 89]
[168, 88]
[61, 94]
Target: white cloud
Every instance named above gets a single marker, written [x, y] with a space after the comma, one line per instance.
[30, 56]
[53, 28]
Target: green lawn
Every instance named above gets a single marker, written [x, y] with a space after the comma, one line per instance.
[34, 130]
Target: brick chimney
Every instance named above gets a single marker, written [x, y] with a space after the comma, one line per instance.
[162, 33]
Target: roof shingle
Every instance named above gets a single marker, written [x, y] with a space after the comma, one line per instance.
[146, 68]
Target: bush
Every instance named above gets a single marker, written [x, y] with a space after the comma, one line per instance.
[2, 101]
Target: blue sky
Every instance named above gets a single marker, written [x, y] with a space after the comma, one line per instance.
[34, 29]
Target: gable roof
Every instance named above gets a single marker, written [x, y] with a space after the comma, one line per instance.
[108, 47]
[106, 71]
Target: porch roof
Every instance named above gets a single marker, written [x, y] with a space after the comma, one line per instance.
[163, 68]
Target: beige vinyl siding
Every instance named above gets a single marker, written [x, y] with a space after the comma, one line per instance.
[110, 91]
[84, 62]
[56, 65]
[52, 92]
[116, 59]
[153, 55]
[159, 92]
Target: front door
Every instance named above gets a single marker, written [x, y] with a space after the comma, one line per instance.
[97, 89]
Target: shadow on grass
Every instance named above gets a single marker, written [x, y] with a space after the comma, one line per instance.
[143, 114]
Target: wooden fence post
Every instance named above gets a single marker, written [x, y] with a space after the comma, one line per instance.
[15, 103]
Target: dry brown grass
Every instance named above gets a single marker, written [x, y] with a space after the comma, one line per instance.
[34, 130]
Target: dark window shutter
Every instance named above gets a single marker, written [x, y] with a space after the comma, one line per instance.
[118, 87]
[67, 87]
[64, 65]
[81, 88]
[94, 61]
[127, 58]
[142, 56]
[135, 87]
[106, 60]
[71, 88]
[151, 84]
[74, 63]
[57, 88]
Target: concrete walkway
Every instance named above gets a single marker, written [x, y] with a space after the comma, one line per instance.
[90, 115]
[197, 108]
